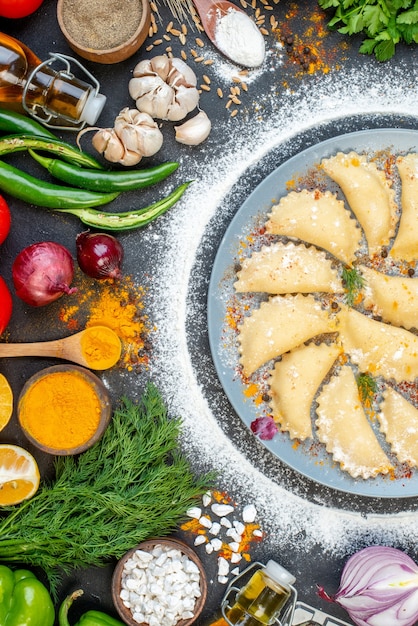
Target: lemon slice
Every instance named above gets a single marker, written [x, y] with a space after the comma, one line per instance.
[19, 474]
[6, 402]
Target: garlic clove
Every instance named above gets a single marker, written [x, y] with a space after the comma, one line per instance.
[143, 119]
[149, 140]
[130, 158]
[142, 85]
[101, 139]
[156, 103]
[194, 131]
[183, 73]
[186, 99]
[108, 144]
[161, 66]
[143, 67]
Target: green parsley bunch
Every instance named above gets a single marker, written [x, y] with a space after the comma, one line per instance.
[384, 22]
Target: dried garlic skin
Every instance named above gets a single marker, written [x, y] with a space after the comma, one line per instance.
[133, 136]
[164, 88]
[194, 131]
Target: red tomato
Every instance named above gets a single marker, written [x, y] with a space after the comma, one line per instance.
[18, 8]
[5, 218]
[5, 305]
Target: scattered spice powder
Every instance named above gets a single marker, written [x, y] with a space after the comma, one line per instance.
[307, 48]
[118, 305]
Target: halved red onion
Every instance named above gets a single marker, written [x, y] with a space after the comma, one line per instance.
[378, 587]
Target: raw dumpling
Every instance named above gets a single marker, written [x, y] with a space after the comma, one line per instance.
[281, 268]
[405, 246]
[343, 427]
[394, 298]
[377, 348]
[294, 382]
[398, 420]
[369, 194]
[318, 218]
[280, 324]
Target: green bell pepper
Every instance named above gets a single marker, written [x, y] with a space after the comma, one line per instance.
[24, 600]
[91, 618]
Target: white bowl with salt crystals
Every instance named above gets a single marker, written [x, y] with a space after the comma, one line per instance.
[160, 582]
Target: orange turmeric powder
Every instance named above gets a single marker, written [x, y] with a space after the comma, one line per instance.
[60, 410]
[117, 305]
[101, 347]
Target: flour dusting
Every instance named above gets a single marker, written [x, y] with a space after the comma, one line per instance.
[338, 97]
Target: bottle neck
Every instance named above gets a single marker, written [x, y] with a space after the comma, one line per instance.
[15, 63]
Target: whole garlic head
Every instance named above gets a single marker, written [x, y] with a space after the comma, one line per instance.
[133, 136]
[164, 87]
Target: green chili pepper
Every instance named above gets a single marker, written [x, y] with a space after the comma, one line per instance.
[91, 618]
[14, 122]
[129, 219]
[24, 600]
[19, 143]
[93, 180]
[34, 191]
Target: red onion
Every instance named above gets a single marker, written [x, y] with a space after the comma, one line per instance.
[99, 255]
[378, 587]
[264, 427]
[43, 272]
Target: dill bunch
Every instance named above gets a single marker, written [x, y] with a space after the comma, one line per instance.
[134, 483]
[354, 283]
[367, 387]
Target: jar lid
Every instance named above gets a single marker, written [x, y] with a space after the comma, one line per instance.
[278, 573]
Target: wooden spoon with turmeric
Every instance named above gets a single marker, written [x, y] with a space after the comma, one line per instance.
[95, 347]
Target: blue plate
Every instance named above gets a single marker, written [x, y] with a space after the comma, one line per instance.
[309, 458]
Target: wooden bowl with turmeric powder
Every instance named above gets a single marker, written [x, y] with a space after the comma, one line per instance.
[64, 409]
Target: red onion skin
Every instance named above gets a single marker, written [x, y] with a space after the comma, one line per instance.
[99, 255]
[264, 427]
[378, 587]
[42, 273]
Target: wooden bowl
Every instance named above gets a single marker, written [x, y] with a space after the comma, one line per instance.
[88, 49]
[147, 546]
[78, 372]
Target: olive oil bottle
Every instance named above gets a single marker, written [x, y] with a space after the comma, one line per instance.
[43, 92]
[264, 595]
[261, 601]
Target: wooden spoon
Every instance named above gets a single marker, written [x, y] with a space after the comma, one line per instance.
[210, 12]
[70, 348]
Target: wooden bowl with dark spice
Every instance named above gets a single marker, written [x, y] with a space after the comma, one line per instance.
[64, 409]
[104, 31]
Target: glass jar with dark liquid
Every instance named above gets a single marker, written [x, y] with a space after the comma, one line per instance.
[56, 97]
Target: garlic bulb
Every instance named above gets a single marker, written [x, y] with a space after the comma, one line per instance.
[133, 136]
[194, 131]
[164, 87]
